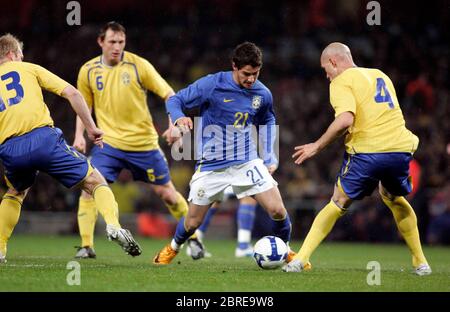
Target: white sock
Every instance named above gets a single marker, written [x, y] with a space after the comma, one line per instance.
[200, 235]
[244, 236]
[174, 245]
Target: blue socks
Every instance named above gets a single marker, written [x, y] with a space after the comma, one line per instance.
[245, 220]
[282, 228]
[181, 235]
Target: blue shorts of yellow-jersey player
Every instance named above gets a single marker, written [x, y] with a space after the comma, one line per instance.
[148, 166]
[42, 149]
[360, 173]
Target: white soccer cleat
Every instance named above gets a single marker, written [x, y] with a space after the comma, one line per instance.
[189, 252]
[423, 269]
[124, 238]
[293, 266]
[197, 250]
[246, 252]
[85, 253]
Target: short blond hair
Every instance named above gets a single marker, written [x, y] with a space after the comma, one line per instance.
[9, 43]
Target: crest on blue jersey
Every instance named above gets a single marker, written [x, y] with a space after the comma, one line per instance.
[126, 78]
[256, 101]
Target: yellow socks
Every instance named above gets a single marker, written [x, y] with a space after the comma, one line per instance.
[179, 209]
[407, 225]
[322, 225]
[9, 216]
[87, 216]
[106, 205]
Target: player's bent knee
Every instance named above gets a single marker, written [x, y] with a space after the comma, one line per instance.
[85, 195]
[92, 181]
[166, 193]
[192, 224]
[341, 200]
[277, 213]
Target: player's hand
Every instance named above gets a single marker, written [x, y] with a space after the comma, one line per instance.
[96, 136]
[172, 135]
[79, 143]
[184, 124]
[272, 168]
[304, 152]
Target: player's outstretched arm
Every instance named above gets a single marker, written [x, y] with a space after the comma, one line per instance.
[336, 129]
[80, 107]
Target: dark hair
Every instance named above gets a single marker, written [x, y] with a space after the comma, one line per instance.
[247, 53]
[114, 26]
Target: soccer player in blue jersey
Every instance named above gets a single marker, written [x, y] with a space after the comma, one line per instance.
[30, 143]
[115, 86]
[229, 103]
[378, 150]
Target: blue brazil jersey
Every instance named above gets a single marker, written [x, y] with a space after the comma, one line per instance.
[228, 112]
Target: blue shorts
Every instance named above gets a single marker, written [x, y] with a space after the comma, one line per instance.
[360, 173]
[42, 149]
[149, 166]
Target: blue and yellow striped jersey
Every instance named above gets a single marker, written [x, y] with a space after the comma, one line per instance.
[379, 125]
[118, 96]
[22, 106]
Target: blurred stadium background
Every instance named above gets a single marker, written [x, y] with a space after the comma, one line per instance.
[187, 39]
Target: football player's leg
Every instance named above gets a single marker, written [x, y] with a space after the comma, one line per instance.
[174, 201]
[9, 216]
[205, 224]
[87, 217]
[107, 162]
[97, 196]
[178, 208]
[206, 188]
[18, 182]
[272, 202]
[406, 221]
[154, 169]
[185, 228]
[96, 186]
[323, 223]
[245, 220]
[201, 231]
[187, 225]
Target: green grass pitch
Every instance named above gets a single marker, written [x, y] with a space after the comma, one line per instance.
[38, 263]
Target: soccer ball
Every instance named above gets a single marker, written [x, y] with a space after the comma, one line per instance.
[270, 252]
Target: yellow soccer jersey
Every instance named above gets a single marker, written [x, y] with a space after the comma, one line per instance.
[119, 99]
[379, 125]
[22, 106]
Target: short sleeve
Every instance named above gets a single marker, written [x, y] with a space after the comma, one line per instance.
[342, 98]
[49, 81]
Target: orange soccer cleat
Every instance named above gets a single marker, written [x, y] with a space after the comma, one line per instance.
[165, 256]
